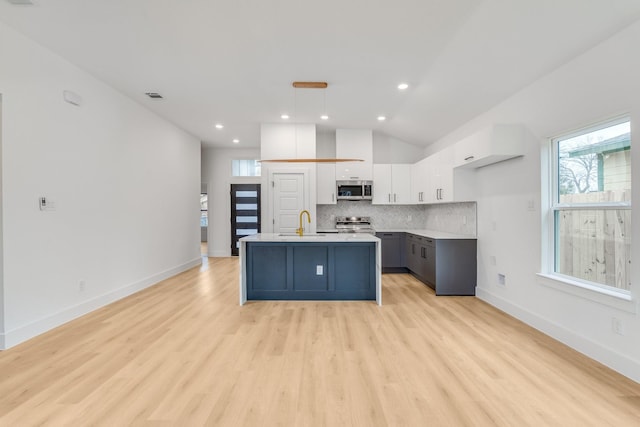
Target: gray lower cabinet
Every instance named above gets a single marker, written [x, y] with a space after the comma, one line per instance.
[393, 252]
[311, 271]
[449, 266]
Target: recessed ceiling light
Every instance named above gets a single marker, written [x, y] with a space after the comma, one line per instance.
[324, 117]
[403, 86]
[235, 141]
[219, 126]
[381, 118]
[284, 116]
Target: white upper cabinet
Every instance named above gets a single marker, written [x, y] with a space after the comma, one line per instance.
[326, 184]
[433, 180]
[391, 184]
[419, 182]
[354, 144]
[491, 145]
[441, 177]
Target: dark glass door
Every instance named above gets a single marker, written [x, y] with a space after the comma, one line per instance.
[245, 213]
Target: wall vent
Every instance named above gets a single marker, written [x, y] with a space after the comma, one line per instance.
[154, 95]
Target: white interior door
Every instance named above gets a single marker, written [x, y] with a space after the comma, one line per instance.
[288, 201]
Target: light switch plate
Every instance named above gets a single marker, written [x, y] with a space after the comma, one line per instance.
[319, 270]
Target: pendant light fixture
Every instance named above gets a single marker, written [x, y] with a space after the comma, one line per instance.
[309, 85]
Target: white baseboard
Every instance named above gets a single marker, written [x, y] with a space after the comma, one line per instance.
[26, 332]
[608, 357]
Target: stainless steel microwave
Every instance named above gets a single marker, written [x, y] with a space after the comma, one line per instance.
[354, 190]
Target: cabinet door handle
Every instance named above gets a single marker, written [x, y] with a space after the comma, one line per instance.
[466, 159]
[389, 195]
[413, 248]
[394, 197]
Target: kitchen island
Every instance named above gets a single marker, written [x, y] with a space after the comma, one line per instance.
[341, 266]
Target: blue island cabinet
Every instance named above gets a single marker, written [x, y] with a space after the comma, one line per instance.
[311, 271]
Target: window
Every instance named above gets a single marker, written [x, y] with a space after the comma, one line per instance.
[245, 168]
[591, 205]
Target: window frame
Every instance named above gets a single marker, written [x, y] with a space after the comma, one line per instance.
[550, 260]
[257, 167]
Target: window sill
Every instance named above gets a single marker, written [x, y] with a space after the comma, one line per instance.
[620, 300]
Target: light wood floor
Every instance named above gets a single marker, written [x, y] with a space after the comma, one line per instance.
[183, 353]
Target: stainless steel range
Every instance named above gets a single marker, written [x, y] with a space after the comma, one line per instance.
[354, 224]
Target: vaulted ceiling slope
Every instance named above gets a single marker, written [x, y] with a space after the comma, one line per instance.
[232, 62]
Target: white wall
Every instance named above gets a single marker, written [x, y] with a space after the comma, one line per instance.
[599, 84]
[216, 173]
[1, 240]
[387, 149]
[125, 184]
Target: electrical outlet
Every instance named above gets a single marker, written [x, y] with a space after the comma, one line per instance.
[81, 286]
[502, 279]
[616, 326]
[531, 205]
[319, 270]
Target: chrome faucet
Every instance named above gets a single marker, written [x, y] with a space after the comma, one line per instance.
[300, 231]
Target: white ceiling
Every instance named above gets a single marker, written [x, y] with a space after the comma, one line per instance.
[233, 61]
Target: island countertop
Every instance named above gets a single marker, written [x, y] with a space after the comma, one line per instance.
[311, 237]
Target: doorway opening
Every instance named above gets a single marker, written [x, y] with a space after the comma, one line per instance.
[245, 213]
[204, 219]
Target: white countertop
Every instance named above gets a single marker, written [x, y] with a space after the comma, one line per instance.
[311, 237]
[433, 234]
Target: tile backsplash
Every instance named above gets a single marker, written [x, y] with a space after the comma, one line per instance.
[459, 218]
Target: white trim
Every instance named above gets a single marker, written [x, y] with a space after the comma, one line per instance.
[618, 299]
[550, 178]
[605, 355]
[602, 124]
[28, 331]
[592, 206]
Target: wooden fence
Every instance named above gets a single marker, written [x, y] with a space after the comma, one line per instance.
[595, 245]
